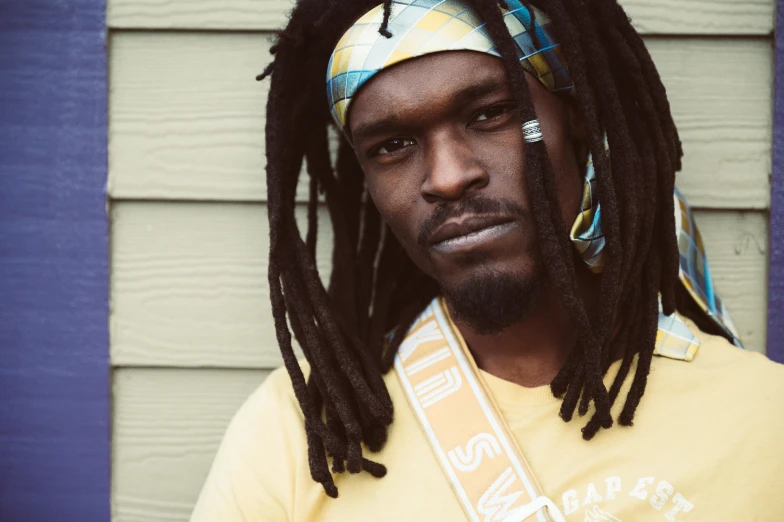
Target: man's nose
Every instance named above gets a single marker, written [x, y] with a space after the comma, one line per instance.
[452, 168]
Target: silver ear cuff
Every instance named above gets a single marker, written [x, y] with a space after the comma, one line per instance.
[532, 132]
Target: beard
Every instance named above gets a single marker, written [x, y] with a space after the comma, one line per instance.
[491, 301]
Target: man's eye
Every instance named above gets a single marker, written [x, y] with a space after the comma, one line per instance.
[491, 113]
[394, 145]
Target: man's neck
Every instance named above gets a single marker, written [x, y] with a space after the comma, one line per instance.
[529, 353]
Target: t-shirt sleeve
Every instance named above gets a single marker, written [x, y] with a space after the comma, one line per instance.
[253, 475]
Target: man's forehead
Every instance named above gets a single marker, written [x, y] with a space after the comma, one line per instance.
[425, 76]
[456, 76]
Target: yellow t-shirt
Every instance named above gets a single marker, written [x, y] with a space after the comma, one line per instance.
[707, 445]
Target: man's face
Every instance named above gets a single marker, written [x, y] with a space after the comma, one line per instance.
[441, 145]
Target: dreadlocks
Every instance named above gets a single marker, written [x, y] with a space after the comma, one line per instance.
[374, 288]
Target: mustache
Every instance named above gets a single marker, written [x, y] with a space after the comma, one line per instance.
[476, 204]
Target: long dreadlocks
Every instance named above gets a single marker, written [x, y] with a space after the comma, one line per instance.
[374, 288]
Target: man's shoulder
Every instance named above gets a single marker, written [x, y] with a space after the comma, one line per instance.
[276, 394]
[719, 355]
[260, 455]
[725, 372]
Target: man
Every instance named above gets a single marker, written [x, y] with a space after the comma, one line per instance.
[505, 237]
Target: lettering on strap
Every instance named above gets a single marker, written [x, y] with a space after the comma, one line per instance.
[477, 453]
[470, 458]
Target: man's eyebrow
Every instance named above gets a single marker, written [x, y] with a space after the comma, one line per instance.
[460, 98]
[477, 90]
[370, 129]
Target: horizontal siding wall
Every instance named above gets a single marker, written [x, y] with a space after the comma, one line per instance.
[675, 17]
[191, 330]
[189, 286]
[188, 117]
[167, 425]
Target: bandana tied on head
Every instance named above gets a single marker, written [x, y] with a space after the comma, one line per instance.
[421, 27]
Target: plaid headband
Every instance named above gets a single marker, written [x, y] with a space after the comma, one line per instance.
[421, 27]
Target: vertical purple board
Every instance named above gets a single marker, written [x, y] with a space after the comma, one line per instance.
[54, 357]
[776, 273]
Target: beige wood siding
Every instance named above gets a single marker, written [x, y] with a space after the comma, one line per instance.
[677, 17]
[190, 287]
[167, 426]
[187, 116]
[191, 332]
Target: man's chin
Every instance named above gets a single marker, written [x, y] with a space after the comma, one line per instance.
[491, 301]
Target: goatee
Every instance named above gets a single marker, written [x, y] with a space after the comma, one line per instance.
[491, 301]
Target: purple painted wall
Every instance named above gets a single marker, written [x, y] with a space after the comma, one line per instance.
[776, 275]
[54, 367]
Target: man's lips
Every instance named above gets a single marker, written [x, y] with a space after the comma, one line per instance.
[467, 231]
